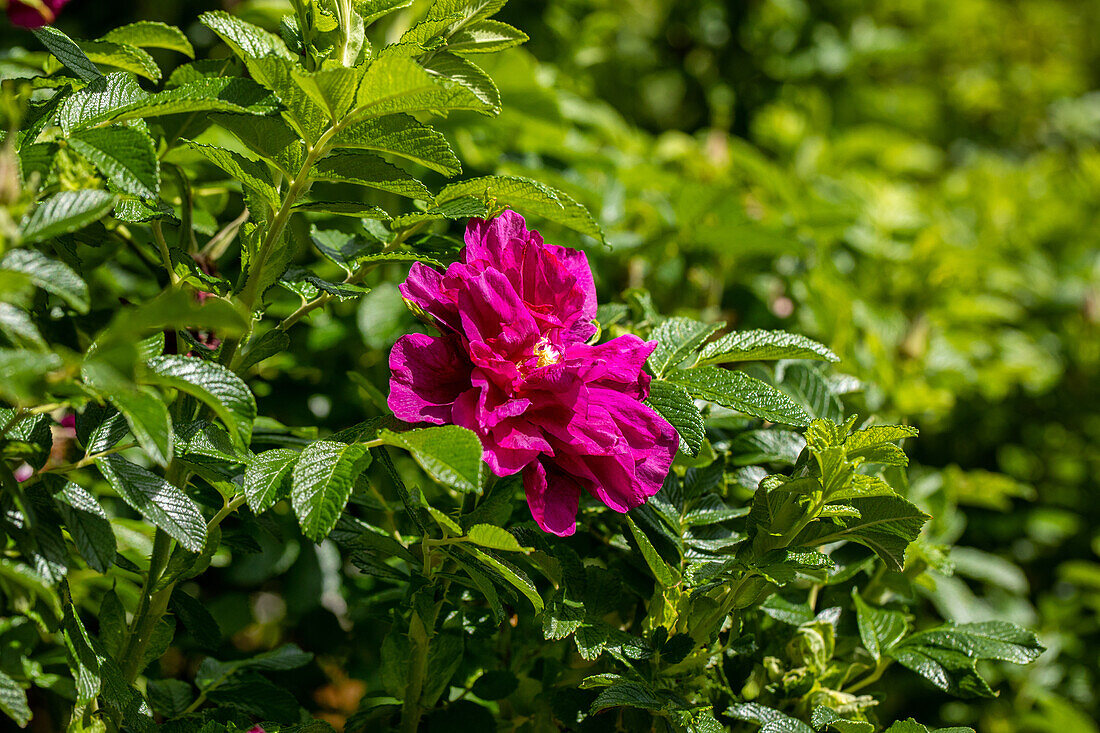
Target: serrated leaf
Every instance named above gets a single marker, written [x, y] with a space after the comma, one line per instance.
[372, 10]
[627, 694]
[879, 628]
[365, 169]
[321, 482]
[462, 71]
[67, 52]
[495, 538]
[65, 212]
[466, 207]
[151, 34]
[356, 209]
[202, 626]
[170, 698]
[268, 137]
[515, 577]
[122, 56]
[675, 405]
[485, 36]
[213, 384]
[249, 173]
[760, 345]
[163, 504]
[824, 717]
[949, 670]
[526, 195]
[13, 701]
[664, 573]
[244, 38]
[677, 338]
[738, 391]
[88, 526]
[268, 478]
[16, 324]
[451, 455]
[125, 155]
[144, 410]
[403, 136]
[999, 640]
[308, 286]
[117, 97]
[333, 89]
[887, 525]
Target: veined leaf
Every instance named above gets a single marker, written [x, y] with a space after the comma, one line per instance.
[65, 212]
[13, 701]
[466, 207]
[365, 169]
[16, 324]
[213, 384]
[403, 136]
[664, 573]
[677, 338]
[333, 89]
[515, 577]
[160, 502]
[50, 275]
[887, 525]
[122, 56]
[124, 154]
[674, 404]
[321, 482]
[450, 454]
[738, 391]
[495, 538]
[250, 173]
[462, 71]
[526, 195]
[759, 345]
[268, 137]
[88, 526]
[879, 628]
[395, 84]
[67, 52]
[372, 10]
[117, 97]
[267, 478]
[151, 34]
[243, 38]
[354, 209]
[485, 36]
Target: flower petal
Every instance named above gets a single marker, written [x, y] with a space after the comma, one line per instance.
[553, 498]
[427, 375]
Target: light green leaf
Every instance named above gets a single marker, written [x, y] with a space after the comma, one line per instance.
[267, 478]
[485, 36]
[674, 404]
[125, 155]
[738, 391]
[759, 345]
[824, 717]
[677, 338]
[365, 169]
[450, 454]
[211, 383]
[249, 173]
[395, 84]
[462, 71]
[879, 628]
[50, 275]
[122, 56]
[160, 502]
[65, 212]
[245, 39]
[525, 195]
[321, 482]
[403, 136]
[372, 10]
[18, 326]
[268, 137]
[13, 701]
[333, 89]
[510, 573]
[151, 34]
[495, 538]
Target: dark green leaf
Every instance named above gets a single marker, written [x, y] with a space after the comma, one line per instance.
[738, 391]
[321, 482]
[124, 154]
[160, 502]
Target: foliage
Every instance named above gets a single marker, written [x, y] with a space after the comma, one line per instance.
[211, 520]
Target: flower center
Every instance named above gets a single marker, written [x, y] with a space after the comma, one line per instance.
[546, 353]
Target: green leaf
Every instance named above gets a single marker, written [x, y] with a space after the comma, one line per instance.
[213, 384]
[394, 84]
[16, 324]
[308, 286]
[949, 670]
[170, 698]
[122, 56]
[22, 374]
[13, 701]
[117, 97]
[143, 408]
[249, 173]
[462, 71]
[999, 640]
[738, 391]
[674, 404]
[526, 195]
[876, 444]
[826, 717]
[151, 34]
[887, 525]
[67, 52]
[629, 695]
[365, 169]
[321, 482]
[372, 10]
[160, 502]
[267, 478]
[510, 573]
[450, 454]
[65, 212]
[244, 38]
[495, 538]
[202, 627]
[664, 573]
[88, 525]
[879, 628]
[759, 345]
[125, 155]
[268, 137]
[333, 89]
[403, 136]
[495, 684]
[356, 209]
[466, 207]
[485, 36]
[677, 338]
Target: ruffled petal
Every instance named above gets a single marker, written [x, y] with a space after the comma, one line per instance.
[427, 375]
[553, 498]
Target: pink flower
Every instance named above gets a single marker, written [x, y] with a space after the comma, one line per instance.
[34, 13]
[513, 364]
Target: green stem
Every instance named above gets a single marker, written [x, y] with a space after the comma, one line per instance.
[411, 711]
[876, 674]
[150, 608]
[165, 256]
[87, 460]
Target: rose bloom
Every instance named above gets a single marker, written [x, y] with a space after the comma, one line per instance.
[34, 14]
[513, 364]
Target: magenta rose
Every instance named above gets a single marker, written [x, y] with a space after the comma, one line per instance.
[34, 14]
[513, 365]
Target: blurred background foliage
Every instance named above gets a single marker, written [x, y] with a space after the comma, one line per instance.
[916, 183]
